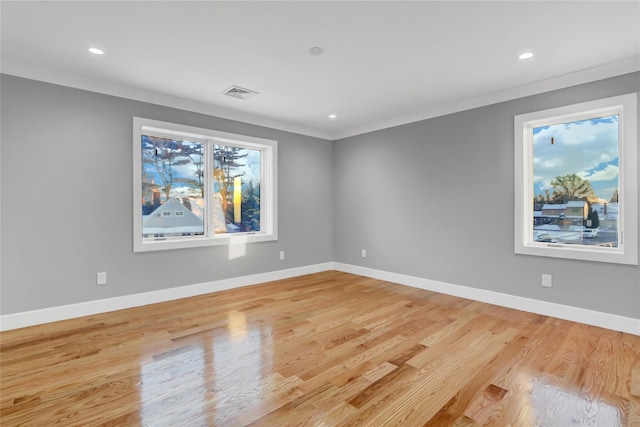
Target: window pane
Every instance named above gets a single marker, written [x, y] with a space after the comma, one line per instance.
[172, 188]
[575, 182]
[236, 189]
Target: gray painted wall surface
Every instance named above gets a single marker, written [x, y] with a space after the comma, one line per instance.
[434, 199]
[409, 195]
[66, 200]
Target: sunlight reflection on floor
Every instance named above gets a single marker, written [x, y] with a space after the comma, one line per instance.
[550, 404]
[207, 383]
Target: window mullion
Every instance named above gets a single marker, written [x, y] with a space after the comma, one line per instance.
[207, 176]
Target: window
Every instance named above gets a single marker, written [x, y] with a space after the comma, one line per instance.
[198, 187]
[576, 181]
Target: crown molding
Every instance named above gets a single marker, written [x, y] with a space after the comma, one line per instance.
[57, 77]
[559, 82]
[613, 69]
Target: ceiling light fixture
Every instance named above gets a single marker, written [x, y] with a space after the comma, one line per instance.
[332, 116]
[526, 55]
[96, 51]
[316, 51]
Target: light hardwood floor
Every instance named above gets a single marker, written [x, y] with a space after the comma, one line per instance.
[328, 349]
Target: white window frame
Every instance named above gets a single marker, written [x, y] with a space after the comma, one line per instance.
[268, 186]
[626, 107]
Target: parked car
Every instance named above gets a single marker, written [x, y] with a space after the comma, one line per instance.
[545, 237]
[589, 233]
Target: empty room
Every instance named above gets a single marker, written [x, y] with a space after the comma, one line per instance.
[319, 213]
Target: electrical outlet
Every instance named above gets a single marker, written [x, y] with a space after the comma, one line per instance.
[547, 281]
[101, 278]
[364, 253]
[281, 255]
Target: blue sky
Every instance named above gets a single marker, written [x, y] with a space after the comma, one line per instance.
[588, 148]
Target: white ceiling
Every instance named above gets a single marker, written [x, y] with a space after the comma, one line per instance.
[385, 63]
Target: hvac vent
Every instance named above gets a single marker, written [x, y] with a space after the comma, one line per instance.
[239, 92]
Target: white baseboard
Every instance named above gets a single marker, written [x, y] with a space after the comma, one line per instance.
[575, 314]
[54, 314]
[566, 312]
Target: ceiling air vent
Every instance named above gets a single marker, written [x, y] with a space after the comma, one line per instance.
[239, 92]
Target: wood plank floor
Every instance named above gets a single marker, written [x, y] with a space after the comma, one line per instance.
[328, 349]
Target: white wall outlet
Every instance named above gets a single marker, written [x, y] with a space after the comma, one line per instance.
[281, 255]
[364, 253]
[547, 281]
[101, 278]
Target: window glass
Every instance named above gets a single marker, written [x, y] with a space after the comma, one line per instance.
[236, 189]
[197, 187]
[172, 181]
[575, 182]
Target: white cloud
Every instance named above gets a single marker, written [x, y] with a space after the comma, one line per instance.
[251, 167]
[546, 184]
[578, 148]
[606, 174]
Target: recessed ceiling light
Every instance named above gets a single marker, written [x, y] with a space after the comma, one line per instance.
[96, 51]
[316, 51]
[526, 55]
[332, 116]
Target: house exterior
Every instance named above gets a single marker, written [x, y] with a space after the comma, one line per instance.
[606, 211]
[553, 210]
[607, 214]
[577, 211]
[573, 212]
[173, 217]
[184, 216]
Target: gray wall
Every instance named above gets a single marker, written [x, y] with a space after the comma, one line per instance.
[434, 199]
[66, 200]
